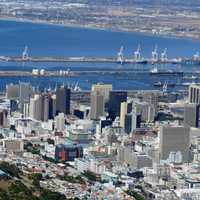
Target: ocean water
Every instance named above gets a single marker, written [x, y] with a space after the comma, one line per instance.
[52, 40]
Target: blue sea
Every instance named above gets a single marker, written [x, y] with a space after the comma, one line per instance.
[55, 40]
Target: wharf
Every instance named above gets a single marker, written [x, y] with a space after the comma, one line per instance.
[116, 72]
[99, 60]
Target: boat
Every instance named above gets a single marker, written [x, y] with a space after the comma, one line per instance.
[160, 84]
[155, 71]
[190, 77]
[188, 83]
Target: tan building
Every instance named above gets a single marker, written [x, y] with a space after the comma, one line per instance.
[60, 122]
[174, 139]
[14, 145]
[97, 105]
[103, 89]
[35, 107]
[123, 112]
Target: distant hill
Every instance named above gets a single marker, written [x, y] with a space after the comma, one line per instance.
[189, 3]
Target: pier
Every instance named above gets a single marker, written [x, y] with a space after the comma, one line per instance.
[117, 72]
[136, 60]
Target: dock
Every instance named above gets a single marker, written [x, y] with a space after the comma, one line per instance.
[118, 73]
[100, 60]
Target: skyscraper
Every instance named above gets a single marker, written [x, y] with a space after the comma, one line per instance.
[35, 109]
[60, 122]
[136, 121]
[25, 91]
[123, 112]
[3, 118]
[115, 100]
[45, 107]
[191, 114]
[103, 89]
[12, 92]
[63, 100]
[194, 93]
[174, 139]
[132, 122]
[52, 106]
[97, 105]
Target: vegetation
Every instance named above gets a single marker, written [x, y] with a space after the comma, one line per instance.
[73, 179]
[30, 148]
[18, 191]
[90, 175]
[135, 195]
[10, 169]
[49, 159]
[36, 178]
[50, 141]
[49, 195]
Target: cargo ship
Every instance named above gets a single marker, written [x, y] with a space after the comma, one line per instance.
[155, 71]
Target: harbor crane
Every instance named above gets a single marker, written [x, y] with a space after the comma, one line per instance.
[25, 55]
[154, 55]
[120, 55]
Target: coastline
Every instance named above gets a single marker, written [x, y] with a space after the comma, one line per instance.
[69, 25]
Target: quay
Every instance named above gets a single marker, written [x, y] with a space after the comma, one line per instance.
[100, 60]
[116, 72]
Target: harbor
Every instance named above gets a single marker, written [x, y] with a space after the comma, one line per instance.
[137, 58]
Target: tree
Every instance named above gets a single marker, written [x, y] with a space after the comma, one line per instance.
[50, 141]
[50, 195]
[90, 175]
[37, 177]
[10, 169]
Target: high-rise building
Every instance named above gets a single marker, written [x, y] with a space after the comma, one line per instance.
[65, 152]
[174, 139]
[12, 92]
[63, 100]
[136, 121]
[3, 118]
[42, 107]
[128, 123]
[35, 109]
[103, 89]
[147, 110]
[194, 93]
[104, 122]
[132, 122]
[191, 114]
[26, 112]
[52, 106]
[13, 105]
[45, 107]
[25, 91]
[60, 122]
[115, 100]
[123, 112]
[152, 99]
[97, 105]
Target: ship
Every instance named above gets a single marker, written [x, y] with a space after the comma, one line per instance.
[160, 84]
[155, 71]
